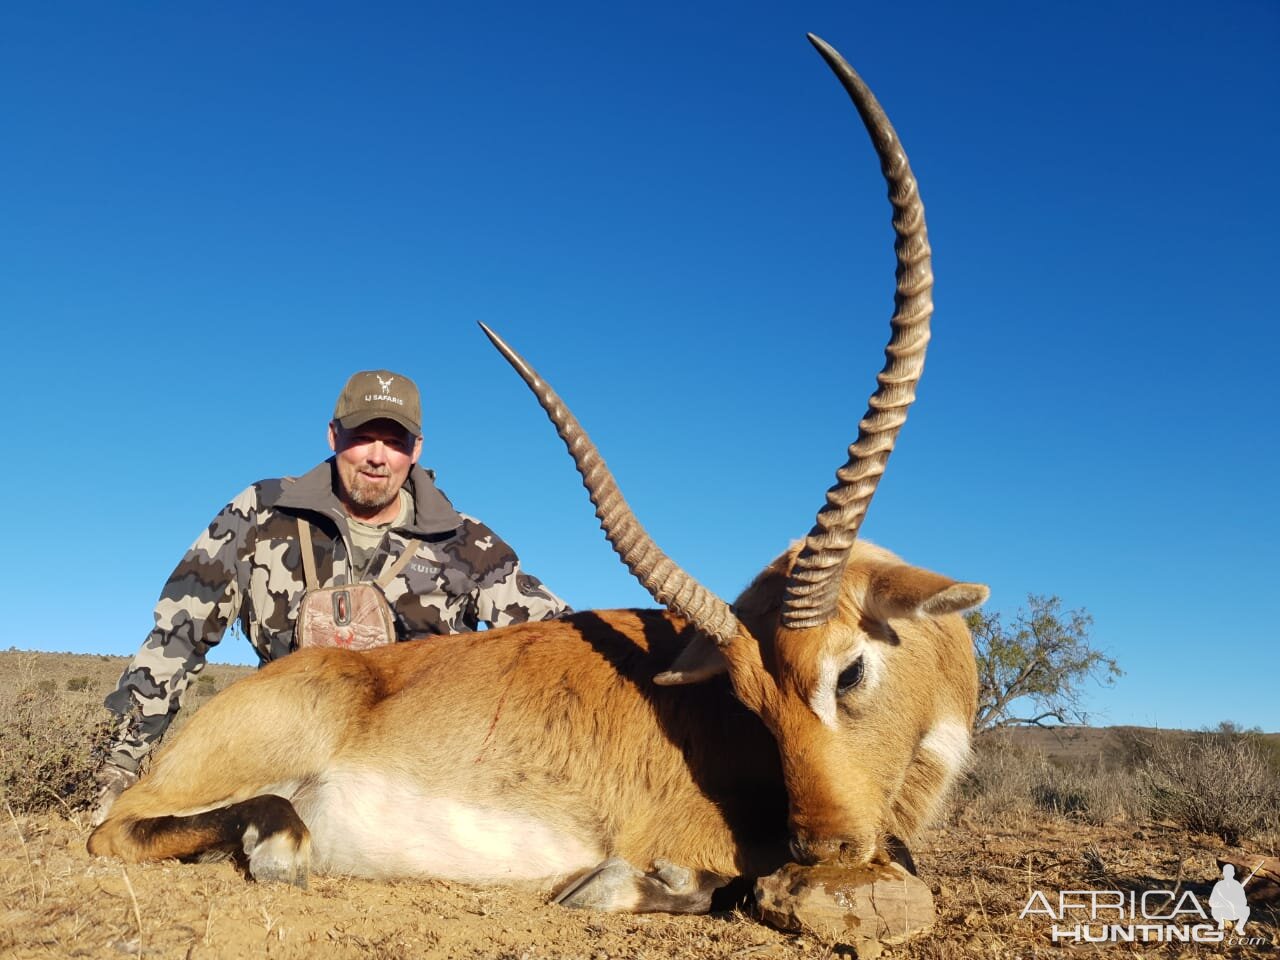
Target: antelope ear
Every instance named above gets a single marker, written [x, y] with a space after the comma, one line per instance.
[700, 660]
[910, 592]
[957, 598]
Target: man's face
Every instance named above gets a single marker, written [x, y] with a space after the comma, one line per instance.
[373, 463]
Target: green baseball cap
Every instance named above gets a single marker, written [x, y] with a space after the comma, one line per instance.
[377, 394]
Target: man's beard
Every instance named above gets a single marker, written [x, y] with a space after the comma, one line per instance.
[369, 494]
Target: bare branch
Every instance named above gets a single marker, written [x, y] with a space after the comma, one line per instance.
[1030, 721]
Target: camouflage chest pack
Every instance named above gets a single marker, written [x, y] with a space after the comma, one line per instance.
[354, 617]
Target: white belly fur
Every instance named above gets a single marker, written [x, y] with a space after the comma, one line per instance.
[367, 823]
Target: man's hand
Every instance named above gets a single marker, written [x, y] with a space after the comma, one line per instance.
[112, 781]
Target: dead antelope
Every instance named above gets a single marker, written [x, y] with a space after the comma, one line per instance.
[632, 759]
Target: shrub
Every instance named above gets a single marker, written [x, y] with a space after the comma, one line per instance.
[206, 687]
[1006, 781]
[49, 750]
[53, 735]
[1068, 792]
[1092, 792]
[1000, 779]
[1220, 782]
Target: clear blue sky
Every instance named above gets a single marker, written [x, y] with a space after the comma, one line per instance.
[212, 213]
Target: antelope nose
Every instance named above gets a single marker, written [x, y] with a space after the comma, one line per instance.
[850, 848]
[809, 851]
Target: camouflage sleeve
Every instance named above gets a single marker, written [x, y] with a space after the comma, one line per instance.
[505, 594]
[201, 597]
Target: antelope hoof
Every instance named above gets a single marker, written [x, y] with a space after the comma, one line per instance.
[618, 887]
[600, 889]
[279, 858]
[675, 878]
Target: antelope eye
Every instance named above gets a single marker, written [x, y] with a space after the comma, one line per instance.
[849, 678]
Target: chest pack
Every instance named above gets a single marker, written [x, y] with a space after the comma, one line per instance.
[354, 617]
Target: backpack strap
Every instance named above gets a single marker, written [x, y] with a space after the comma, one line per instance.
[309, 559]
[308, 554]
[402, 561]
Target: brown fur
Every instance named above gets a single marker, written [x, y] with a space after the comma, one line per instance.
[562, 721]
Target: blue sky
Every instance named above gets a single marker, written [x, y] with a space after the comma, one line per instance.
[213, 213]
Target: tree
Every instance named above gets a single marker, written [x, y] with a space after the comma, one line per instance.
[1040, 660]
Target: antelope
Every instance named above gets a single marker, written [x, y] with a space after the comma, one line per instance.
[626, 760]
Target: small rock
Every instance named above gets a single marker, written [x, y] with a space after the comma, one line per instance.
[875, 902]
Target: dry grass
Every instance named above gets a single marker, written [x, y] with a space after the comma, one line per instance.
[49, 748]
[1025, 819]
[1223, 783]
[1009, 782]
[54, 730]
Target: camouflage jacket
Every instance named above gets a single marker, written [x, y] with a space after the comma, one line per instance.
[247, 567]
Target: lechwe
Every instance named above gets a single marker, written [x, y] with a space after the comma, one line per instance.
[633, 760]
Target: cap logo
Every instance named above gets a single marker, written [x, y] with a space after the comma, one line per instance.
[374, 394]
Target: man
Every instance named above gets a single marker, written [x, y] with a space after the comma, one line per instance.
[363, 509]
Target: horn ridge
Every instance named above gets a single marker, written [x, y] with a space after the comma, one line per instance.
[813, 585]
[665, 581]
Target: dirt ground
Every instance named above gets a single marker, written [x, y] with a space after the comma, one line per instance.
[56, 901]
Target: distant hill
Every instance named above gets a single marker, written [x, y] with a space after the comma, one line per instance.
[91, 674]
